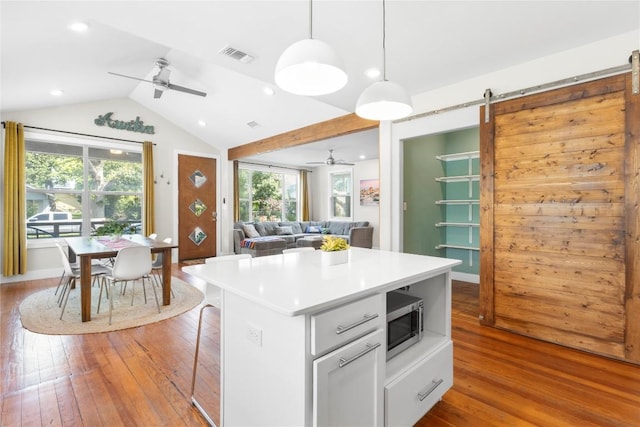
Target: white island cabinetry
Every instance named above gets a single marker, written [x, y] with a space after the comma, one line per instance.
[305, 344]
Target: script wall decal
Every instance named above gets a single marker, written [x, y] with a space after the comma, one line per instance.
[136, 125]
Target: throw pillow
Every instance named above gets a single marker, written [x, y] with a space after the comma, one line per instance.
[250, 231]
[313, 229]
[282, 231]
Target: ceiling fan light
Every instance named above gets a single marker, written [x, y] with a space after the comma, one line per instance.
[310, 67]
[384, 100]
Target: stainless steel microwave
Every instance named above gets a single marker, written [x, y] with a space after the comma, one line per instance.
[404, 321]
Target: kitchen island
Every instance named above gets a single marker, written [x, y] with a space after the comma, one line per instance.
[304, 344]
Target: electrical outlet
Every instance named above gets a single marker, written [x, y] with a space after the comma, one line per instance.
[254, 334]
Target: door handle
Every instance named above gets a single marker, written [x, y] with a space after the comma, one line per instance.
[214, 216]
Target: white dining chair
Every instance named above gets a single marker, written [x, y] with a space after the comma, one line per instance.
[211, 299]
[302, 249]
[70, 276]
[153, 235]
[132, 263]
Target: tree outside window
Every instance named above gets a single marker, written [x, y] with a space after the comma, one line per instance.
[341, 190]
[267, 195]
[91, 185]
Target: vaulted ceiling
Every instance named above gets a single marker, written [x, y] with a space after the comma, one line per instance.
[430, 44]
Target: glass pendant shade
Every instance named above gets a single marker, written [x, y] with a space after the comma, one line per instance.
[310, 67]
[384, 100]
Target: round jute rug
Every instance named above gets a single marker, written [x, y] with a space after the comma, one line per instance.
[40, 312]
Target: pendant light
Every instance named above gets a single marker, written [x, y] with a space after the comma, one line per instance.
[310, 67]
[384, 100]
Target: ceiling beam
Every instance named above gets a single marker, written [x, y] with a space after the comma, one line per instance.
[339, 126]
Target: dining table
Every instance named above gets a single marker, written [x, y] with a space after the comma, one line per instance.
[87, 248]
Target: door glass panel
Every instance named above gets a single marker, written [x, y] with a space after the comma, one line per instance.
[198, 179]
[197, 236]
[197, 207]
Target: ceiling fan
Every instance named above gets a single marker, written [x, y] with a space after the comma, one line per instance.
[161, 80]
[330, 161]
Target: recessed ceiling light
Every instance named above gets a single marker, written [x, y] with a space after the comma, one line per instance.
[372, 73]
[56, 92]
[362, 157]
[268, 91]
[78, 27]
[202, 123]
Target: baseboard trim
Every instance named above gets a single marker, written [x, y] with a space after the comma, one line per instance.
[465, 277]
[33, 275]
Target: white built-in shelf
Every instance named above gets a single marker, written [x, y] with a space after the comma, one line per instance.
[457, 224]
[459, 156]
[458, 178]
[470, 248]
[458, 202]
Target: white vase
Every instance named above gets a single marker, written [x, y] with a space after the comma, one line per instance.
[335, 257]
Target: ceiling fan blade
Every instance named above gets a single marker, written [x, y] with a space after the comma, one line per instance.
[158, 93]
[186, 90]
[340, 162]
[129, 77]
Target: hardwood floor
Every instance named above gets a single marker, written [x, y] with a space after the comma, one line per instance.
[142, 376]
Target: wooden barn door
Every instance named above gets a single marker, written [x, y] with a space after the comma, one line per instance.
[559, 217]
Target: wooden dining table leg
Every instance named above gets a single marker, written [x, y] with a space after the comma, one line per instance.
[166, 276]
[85, 287]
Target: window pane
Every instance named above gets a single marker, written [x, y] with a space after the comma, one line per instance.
[267, 196]
[53, 166]
[115, 170]
[341, 195]
[53, 215]
[56, 188]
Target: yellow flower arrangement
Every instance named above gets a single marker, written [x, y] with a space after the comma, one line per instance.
[333, 243]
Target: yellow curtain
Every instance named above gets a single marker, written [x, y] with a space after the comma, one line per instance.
[236, 193]
[304, 195]
[148, 211]
[15, 228]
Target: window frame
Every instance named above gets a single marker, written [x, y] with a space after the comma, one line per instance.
[330, 206]
[274, 170]
[85, 143]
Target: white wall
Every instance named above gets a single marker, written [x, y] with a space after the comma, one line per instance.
[169, 139]
[593, 57]
[319, 194]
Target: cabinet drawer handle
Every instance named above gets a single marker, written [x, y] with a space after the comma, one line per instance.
[434, 384]
[370, 347]
[341, 329]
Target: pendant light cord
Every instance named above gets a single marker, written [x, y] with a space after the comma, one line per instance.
[310, 19]
[384, 41]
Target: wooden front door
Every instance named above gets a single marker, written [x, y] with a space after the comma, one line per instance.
[197, 209]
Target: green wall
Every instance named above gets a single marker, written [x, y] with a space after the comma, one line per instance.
[421, 190]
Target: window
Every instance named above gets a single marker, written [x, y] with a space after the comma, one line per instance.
[341, 188]
[74, 187]
[267, 195]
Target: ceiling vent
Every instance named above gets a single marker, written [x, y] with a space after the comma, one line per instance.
[253, 124]
[236, 54]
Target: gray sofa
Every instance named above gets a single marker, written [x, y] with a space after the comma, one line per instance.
[273, 236]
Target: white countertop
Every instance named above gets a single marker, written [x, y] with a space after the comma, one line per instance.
[297, 283]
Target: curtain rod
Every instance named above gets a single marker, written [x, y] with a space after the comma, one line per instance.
[275, 166]
[80, 134]
[503, 97]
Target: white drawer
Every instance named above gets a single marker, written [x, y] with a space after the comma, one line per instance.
[343, 324]
[411, 396]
